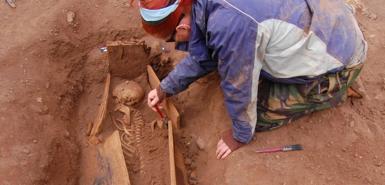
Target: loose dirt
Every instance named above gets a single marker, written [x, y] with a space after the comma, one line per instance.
[51, 81]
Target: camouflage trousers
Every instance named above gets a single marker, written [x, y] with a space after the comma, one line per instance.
[280, 104]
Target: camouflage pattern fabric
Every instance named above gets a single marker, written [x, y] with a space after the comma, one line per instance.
[280, 104]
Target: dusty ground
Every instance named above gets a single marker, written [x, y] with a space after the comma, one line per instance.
[47, 64]
[51, 79]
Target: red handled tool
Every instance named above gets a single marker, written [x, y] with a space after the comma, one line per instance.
[158, 111]
[281, 149]
[163, 117]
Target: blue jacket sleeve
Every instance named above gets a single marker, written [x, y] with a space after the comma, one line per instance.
[197, 64]
[235, 39]
[226, 41]
[186, 72]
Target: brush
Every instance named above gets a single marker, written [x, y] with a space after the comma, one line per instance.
[162, 116]
[280, 149]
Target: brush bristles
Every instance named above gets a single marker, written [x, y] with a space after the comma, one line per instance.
[293, 147]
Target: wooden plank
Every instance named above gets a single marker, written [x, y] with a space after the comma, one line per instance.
[177, 169]
[96, 126]
[152, 77]
[111, 161]
[170, 109]
[180, 168]
[171, 154]
[127, 59]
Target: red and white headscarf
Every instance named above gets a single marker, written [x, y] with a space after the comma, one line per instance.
[160, 17]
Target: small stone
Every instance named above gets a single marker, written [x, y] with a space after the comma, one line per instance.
[358, 156]
[71, 17]
[24, 163]
[188, 162]
[193, 175]
[351, 124]
[26, 151]
[66, 134]
[277, 156]
[44, 110]
[379, 97]
[379, 164]
[39, 99]
[40, 109]
[193, 165]
[368, 180]
[200, 143]
[47, 85]
[193, 182]
[34, 141]
[372, 16]
[151, 150]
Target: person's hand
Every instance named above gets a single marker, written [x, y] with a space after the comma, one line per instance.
[153, 99]
[227, 145]
[222, 150]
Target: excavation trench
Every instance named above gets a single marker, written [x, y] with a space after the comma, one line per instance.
[52, 80]
[128, 126]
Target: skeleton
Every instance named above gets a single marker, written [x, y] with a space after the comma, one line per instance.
[126, 95]
[131, 125]
[130, 128]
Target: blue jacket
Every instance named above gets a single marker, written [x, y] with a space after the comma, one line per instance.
[286, 41]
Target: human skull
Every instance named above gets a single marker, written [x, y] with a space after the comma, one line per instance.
[128, 93]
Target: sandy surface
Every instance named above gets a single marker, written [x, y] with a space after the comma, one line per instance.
[51, 80]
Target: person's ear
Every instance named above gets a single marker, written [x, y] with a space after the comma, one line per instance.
[182, 33]
[183, 29]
